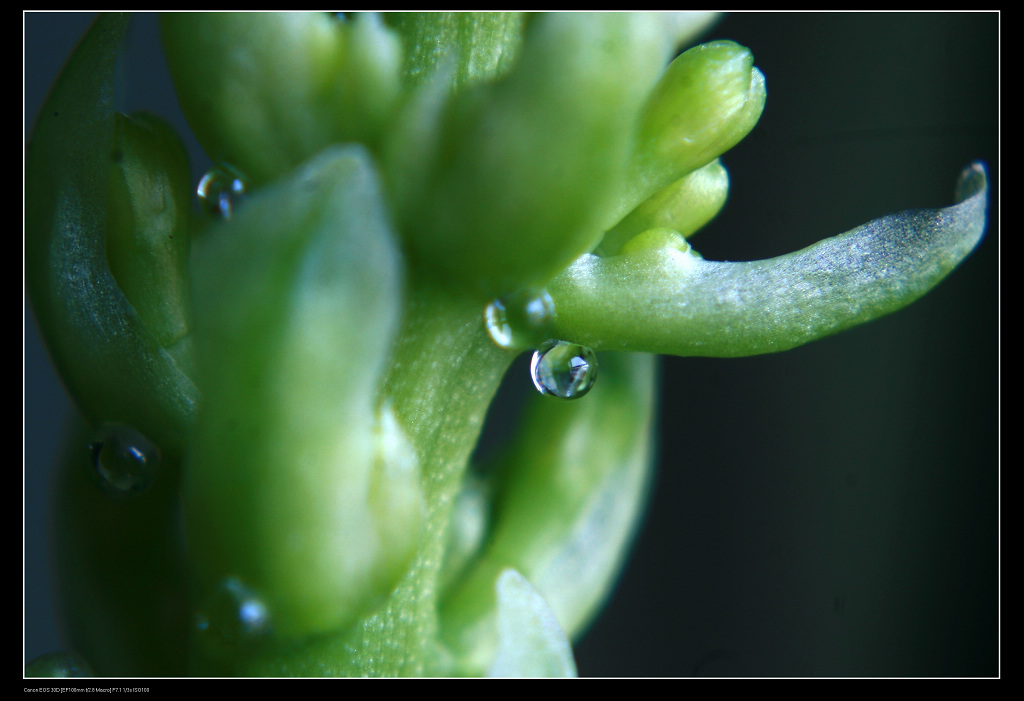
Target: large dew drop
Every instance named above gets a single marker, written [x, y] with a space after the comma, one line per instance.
[519, 321]
[232, 615]
[221, 190]
[124, 462]
[564, 370]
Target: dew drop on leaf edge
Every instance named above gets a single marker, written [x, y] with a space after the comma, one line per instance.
[564, 370]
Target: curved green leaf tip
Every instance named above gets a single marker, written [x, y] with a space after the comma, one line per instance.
[667, 299]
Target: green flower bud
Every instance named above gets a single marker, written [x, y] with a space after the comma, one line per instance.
[654, 239]
[709, 98]
[148, 223]
[368, 87]
[684, 206]
[266, 91]
[299, 483]
[526, 169]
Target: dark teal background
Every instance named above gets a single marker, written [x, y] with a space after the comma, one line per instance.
[832, 510]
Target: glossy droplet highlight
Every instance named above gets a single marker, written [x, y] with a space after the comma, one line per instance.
[519, 321]
[124, 462]
[563, 370]
[221, 190]
[232, 615]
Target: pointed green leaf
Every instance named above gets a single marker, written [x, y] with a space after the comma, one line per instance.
[299, 482]
[112, 363]
[665, 300]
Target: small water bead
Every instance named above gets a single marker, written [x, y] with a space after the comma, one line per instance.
[232, 615]
[221, 190]
[124, 462]
[564, 370]
[519, 321]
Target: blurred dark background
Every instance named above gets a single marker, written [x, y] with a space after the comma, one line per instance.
[829, 511]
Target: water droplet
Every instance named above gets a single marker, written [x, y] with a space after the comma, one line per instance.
[565, 370]
[221, 190]
[124, 461]
[58, 664]
[519, 321]
[232, 615]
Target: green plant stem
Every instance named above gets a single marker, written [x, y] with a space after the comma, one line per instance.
[445, 373]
